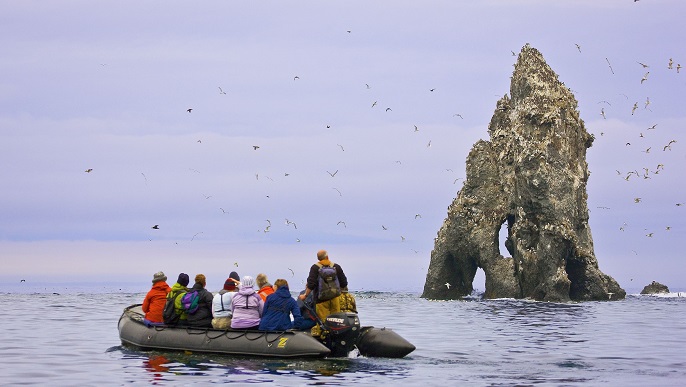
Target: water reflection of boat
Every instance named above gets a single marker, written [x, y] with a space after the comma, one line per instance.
[344, 335]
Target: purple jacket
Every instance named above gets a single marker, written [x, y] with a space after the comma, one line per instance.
[246, 306]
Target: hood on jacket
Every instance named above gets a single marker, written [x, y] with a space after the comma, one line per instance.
[283, 292]
[161, 285]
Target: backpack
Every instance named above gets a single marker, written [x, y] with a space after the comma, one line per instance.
[169, 313]
[328, 286]
[189, 301]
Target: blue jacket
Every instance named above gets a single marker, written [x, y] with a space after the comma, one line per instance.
[278, 309]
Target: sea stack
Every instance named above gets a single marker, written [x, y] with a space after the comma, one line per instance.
[531, 176]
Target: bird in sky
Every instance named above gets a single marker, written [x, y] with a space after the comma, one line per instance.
[578, 47]
[652, 127]
[189, 110]
[374, 104]
[288, 222]
[256, 147]
[156, 227]
[89, 170]
[637, 200]
[292, 272]
[669, 65]
[339, 191]
[296, 77]
[447, 285]
[432, 89]
[602, 113]
[341, 146]
[389, 109]
[223, 211]
[643, 64]
[417, 216]
[647, 150]
[221, 91]
[458, 115]
[367, 85]
[647, 102]
[609, 65]
[384, 227]
[668, 146]
[341, 222]
[416, 129]
[429, 144]
[332, 174]
[633, 109]
[645, 77]
[678, 67]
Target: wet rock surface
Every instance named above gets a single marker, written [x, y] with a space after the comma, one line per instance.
[531, 176]
[655, 288]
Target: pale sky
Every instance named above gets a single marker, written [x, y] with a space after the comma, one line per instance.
[331, 93]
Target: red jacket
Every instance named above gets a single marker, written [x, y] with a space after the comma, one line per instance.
[153, 305]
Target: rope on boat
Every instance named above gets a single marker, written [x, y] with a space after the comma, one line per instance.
[206, 331]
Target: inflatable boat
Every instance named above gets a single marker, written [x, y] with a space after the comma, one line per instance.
[343, 335]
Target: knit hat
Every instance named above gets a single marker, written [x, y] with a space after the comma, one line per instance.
[183, 279]
[159, 276]
[230, 284]
[247, 282]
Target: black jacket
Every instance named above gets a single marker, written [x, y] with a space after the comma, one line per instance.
[202, 317]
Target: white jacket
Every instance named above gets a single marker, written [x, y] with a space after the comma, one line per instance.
[224, 298]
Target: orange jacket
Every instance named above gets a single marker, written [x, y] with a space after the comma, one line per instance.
[265, 291]
[153, 305]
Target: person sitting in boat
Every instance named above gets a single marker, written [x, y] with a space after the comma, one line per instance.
[326, 287]
[154, 301]
[246, 306]
[221, 303]
[265, 287]
[347, 301]
[278, 309]
[202, 316]
[179, 316]
[309, 316]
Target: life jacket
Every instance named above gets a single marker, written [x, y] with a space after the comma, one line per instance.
[328, 286]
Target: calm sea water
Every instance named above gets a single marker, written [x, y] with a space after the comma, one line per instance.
[71, 338]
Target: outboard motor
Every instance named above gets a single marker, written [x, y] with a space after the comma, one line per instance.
[342, 331]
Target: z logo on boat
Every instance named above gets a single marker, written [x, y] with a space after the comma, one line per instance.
[282, 342]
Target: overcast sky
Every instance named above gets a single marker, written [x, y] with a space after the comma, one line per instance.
[338, 125]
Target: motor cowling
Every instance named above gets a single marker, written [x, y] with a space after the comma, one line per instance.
[342, 330]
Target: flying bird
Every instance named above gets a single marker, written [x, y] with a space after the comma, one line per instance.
[458, 115]
[341, 222]
[578, 47]
[637, 200]
[332, 174]
[609, 65]
[645, 77]
[652, 127]
[156, 227]
[669, 65]
[221, 91]
[374, 104]
[384, 227]
[339, 191]
[647, 103]
[89, 170]
[447, 285]
[602, 113]
[643, 64]
[292, 272]
[341, 147]
[296, 77]
[678, 67]
[417, 216]
[189, 110]
[389, 109]
[633, 109]
[256, 147]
